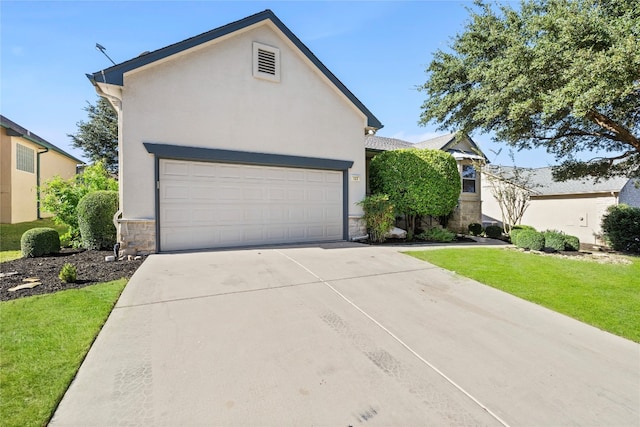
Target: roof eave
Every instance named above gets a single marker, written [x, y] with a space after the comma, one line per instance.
[115, 75]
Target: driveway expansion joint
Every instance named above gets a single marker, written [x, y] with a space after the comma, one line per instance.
[221, 294]
[401, 342]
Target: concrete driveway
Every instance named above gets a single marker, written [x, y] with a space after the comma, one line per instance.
[341, 335]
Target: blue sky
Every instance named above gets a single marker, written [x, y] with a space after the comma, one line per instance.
[379, 50]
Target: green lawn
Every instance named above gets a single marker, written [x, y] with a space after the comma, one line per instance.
[10, 235]
[43, 340]
[606, 296]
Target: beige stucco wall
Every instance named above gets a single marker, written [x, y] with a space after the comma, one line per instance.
[577, 215]
[19, 188]
[208, 97]
[5, 177]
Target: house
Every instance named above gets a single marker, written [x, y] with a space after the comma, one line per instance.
[26, 162]
[575, 207]
[465, 151]
[235, 137]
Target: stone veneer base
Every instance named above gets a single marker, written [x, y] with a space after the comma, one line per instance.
[138, 234]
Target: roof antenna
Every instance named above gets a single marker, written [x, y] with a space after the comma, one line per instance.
[103, 49]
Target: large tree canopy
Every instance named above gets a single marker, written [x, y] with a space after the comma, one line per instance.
[558, 74]
[98, 137]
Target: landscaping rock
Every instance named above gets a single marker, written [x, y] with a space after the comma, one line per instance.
[8, 274]
[396, 233]
[28, 285]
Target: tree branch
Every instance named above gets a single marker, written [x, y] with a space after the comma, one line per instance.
[612, 126]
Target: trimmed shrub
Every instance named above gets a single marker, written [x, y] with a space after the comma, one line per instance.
[437, 235]
[493, 231]
[516, 229]
[530, 239]
[571, 243]
[39, 241]
[621, 228]
[554, 241]
[61, 197]
[68, 273]
[418, 182]
[523, 227]
[475, 229]
[95, 219]
[378, 214]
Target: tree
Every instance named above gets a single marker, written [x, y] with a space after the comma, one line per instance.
[558, 74]
[418, 182]
[61, 197]
[98, 137]
[512, 188]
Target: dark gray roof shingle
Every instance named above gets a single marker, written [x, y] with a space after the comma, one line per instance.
[542, 183]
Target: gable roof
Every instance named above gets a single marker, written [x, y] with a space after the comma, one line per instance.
[542, 183]
[28, 135]
[380, 143]
[115, 75]
[437, 143]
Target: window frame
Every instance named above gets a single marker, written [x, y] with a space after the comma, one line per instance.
[466, 179]
[25, 158]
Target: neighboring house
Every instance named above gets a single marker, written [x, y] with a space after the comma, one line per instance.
[465, 151]
[238, 136]
[575, 207]
[26, 162]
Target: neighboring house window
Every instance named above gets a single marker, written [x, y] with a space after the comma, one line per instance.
[469, 177]
[266, 62]
[24, 158]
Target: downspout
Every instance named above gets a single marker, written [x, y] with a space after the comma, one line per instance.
[38, 181]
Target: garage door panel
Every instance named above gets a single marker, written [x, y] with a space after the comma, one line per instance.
[175, 168]
[253, 194]
[203, 170]
[207, 205]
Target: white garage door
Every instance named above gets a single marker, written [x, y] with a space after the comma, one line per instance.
[212, 205]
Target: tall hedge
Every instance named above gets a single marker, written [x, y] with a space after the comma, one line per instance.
[418, 182]
[95, 219]
[621, 227]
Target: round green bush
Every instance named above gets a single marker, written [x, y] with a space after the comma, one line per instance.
[39, 241]
[621, 227]
[475, 229]
[571, 243]
[530, 239]
[523, 227]
[493, 231]
[95, 219]
[514, 235]
[554, 241]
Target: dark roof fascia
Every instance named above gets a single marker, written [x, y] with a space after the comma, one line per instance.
[179, 152]
[30, 136]
[115, 75]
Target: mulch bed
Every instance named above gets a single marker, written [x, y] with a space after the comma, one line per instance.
[91, 266]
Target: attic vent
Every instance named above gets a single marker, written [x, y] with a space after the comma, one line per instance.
[266, 62]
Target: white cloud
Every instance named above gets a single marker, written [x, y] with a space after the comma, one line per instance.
[17, 50]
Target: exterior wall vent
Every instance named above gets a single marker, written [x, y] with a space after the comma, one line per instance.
[266, 62]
